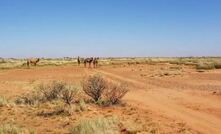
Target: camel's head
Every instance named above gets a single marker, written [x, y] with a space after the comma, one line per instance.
[37, 60]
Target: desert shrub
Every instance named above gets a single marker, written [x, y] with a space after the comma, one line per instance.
[51, 91]
[217, 65]
[46, 93]
[115, 92]
[2, 61]
[11, 129]
[31, 98]
[99, 125]
[68, 94]
[94, 86]
[5, 102]
[205, 66]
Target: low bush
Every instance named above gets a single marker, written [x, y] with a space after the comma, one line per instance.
[94, 86]
[103, 92]
[115, 92]
[49, 92]
[30, 98]
[68, 94]
[2, 61]
[205, 66]
[217, 65]
[99, 125]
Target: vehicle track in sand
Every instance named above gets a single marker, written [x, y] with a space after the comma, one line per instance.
[160, 100]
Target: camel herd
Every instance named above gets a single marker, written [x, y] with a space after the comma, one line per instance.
[32, 62]
[90, 61]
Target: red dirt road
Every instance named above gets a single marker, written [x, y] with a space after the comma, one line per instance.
[199, 109]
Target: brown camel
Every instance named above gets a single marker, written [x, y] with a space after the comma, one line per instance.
[89, 61]
[79, 61]
[95, 62]
[32, 62]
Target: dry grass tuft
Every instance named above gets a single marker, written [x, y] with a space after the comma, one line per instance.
[81, 106]
[5, 102]
[12, 129]
[99, 125]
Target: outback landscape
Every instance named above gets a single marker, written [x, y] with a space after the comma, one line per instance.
[119, 96]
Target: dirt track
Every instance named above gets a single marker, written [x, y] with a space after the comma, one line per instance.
[190, 97]
[199, 112]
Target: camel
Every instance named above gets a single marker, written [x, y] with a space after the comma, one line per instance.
[79, 61]
[95, 62]
[88, 60]
[32, 62]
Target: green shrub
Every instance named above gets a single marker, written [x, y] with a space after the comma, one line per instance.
[98, 125]
[94, 86]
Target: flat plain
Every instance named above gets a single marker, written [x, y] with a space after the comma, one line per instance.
[169, 96]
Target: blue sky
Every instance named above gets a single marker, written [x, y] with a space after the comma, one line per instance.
[58, 28]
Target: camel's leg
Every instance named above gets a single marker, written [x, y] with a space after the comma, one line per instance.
[28, 64]
[89, 64]
[85, 64]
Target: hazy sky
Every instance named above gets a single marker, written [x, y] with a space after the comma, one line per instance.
[57, 28]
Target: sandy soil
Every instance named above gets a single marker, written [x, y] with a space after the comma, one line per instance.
[163, 98]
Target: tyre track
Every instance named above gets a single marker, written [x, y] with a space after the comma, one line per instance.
[199, 121]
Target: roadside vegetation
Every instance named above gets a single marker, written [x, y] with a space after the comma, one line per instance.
[61, 99]
[104, 92]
